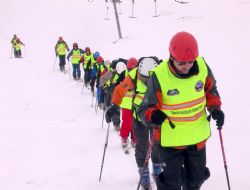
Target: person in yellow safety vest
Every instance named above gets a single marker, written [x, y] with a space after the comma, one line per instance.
[13, 40]
[93, 72]
[178, 93]
[88, 64]
[16, 45]
[126, 107]
[107, 82]
[61, 49]
[76, 54]
[136, 81]
[119, 67]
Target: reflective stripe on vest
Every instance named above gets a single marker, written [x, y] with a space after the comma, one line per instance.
[184, 101]
[139, 92]
[61, 49]
[18, 46]
[115, 78]
[88, 58]
[183, 105]
[76, 56]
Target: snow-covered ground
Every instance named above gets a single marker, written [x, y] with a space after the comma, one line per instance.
[50, 136]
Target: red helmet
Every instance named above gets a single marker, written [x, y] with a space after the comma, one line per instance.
[87, 49]
[132, 63]
[60, 38]
[75, 45]
[183, 47]
[99, 59]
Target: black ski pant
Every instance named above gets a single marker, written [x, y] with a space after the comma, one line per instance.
[92, 84]
[185, 168]
[87, 75]
[143, 135]
[17, 53]
[107, 102]
[62, 62]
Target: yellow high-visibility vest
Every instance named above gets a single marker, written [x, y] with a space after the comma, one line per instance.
[127, 99]
[184, 102]
[76, 56]
[61, 49]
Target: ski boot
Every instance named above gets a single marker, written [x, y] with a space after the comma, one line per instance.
[156, 170]
[145, 179]
[133, 143]
[117, 127]
[124, 143]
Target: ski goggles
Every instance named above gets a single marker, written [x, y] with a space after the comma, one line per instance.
[184, 63]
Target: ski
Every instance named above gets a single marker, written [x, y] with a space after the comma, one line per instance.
[182, 2]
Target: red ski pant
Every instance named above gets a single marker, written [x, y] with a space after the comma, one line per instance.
[126, 127]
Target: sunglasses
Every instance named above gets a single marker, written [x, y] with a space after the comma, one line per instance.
[184, 63]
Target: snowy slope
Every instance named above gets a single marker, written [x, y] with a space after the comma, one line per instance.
[50, 136]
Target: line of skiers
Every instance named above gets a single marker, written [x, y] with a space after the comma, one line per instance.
[168, 99]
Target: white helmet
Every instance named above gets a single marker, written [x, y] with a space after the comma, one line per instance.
[145, 65]
[120, 67]
[107, 62]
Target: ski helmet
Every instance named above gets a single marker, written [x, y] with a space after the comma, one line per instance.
[87, 49]
[120, 67]
[107, 62]
[96, 54]
[145, 64]
[132, 63]
[60, 38]
[183, 47]
[100, 59]
[75, 45]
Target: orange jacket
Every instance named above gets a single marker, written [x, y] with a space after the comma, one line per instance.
[121, 89]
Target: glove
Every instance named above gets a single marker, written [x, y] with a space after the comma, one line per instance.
[68, 59]
[97, 85]
[158, 117]
[218, 116]
[110, 112]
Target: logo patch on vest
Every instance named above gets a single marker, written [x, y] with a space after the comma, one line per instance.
[173, 92]
[199, 86]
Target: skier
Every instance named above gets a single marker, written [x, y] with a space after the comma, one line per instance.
[60, 49]
[16, 45]
[126, 105]
[107, 82]
[136, 81]
[178, 93]
[76, 54]
[93, 73]
[87, 64]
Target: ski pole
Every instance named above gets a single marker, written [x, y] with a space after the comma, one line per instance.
[69, 70]
[11, 52]
[92, 100]
[54, 64]
[224, 159]
[147, 157]
[96, 105]
[82, 88]
[25, 51]
[103, 116]
[105, 147]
